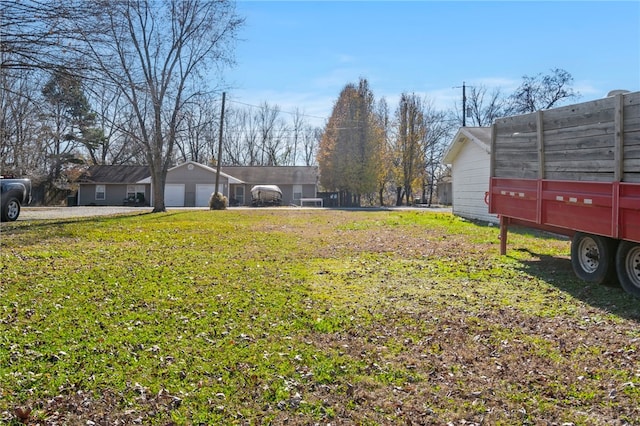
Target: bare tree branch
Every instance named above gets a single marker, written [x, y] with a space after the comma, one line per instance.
[543, 92]
[153, 53]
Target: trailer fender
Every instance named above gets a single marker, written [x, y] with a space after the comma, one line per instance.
[593, 258]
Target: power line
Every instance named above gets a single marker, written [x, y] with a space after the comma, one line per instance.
[324, 118]
[279, 110]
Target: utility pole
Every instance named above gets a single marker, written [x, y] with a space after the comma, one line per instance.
[220, 144]
[464, 103]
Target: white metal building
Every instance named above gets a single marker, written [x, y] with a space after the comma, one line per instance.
[468, 155]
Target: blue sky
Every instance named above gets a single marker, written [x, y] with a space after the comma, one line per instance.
[300, 54]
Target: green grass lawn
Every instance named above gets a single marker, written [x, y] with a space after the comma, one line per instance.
[276, 316]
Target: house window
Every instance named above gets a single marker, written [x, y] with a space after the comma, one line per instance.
[135, 192]
[101, 191]
[297, 192]
[239, 195]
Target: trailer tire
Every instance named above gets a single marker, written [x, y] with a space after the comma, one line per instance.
[628, 267]
[593, 258]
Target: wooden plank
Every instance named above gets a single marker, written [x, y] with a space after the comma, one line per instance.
[584, 155]
[517, 155]
[599, 165]
[512, 126]
[517, 148]
[504, 146]
[599, 129]
[517, 165]
[631, 118]
[631, 154]
[632, 138]
[598, 142]
[618, 137]
[631, 99]
[600, 110]
[502, 135]
[553, 122]
[579, 176]
[516, 170]
[528, 138]
[632, 165]
[492, 156]
[632, 177]
[540, 142]
[517, 174]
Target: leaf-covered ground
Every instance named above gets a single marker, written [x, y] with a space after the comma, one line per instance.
[275, 316]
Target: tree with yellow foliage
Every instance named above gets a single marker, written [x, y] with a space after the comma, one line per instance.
[347, 154]
[411, 133]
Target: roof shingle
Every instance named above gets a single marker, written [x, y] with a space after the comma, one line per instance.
[115, 174]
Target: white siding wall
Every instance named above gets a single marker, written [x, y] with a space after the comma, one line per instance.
[470, 171]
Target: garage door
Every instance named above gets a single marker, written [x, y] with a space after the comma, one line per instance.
[174, 195]
[203, 192]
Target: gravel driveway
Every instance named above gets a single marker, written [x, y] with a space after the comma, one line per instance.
[35, 213]
[32, 213]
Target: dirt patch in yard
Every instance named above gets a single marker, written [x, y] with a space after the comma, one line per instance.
[468, 356]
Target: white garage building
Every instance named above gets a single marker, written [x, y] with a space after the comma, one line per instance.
[189, 184]
[469, 157]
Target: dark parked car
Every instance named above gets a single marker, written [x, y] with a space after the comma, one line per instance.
[14, 193]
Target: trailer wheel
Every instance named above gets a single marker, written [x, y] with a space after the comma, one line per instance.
[592, 258]
[628, 267]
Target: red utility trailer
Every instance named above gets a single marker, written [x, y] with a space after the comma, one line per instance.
[575, 171]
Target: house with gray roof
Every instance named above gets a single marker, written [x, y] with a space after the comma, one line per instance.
[112, 185]
[295, 182]
[191, 184]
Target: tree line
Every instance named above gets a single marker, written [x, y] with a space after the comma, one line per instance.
[53, 125]
[120, 78]
[367, 154]
[129, 82]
